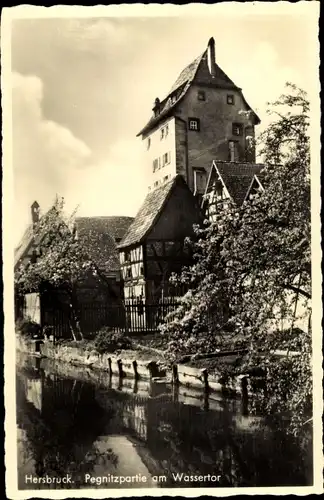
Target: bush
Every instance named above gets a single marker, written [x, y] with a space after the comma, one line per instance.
[108, 341]
[29, 328]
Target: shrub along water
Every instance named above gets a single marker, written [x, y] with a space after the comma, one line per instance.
[107, 340]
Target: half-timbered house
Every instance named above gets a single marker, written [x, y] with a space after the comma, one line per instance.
[154, 245]
[229, 181]
[99, 237]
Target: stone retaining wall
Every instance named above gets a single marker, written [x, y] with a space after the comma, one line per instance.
[182, 375]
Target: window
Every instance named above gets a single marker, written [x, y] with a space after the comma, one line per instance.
[166, 130]
[129, 272]
[194, 124]
[201, 95]
[141, 270]
[237, 129]
[162, 134]
[156, 183]
[166, 178]
[230, 99]
[166, 159]
[155, 164]
[148, 143]
[127, 256]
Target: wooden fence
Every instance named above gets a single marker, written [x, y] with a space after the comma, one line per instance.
[130, 317]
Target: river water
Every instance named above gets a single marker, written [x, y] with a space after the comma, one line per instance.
[81, 429]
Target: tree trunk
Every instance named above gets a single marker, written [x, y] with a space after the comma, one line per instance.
[74, 319]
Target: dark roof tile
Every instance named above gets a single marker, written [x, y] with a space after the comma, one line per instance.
[100, 235]
[148, 213]
[237, 178]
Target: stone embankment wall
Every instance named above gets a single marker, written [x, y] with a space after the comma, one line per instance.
[178, 374]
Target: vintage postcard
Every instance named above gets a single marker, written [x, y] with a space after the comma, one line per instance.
[162, 250]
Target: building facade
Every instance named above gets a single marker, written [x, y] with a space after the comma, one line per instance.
[154, 245]
[204, 117]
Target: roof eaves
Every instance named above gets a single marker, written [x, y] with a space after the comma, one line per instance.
[124, 244]
[185, 84]
[223, 182]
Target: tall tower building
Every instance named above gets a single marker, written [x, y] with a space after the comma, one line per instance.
[203, 118]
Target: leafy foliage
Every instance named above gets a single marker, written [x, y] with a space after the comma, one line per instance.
[62, 261]
[28, 328]
[108, 341]
[252, 272]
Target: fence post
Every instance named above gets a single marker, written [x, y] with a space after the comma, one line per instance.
[204, 373]
[153, 369]
[245, 397]
[120, 368]
[109, 367]
[136, 375]
[175, 376]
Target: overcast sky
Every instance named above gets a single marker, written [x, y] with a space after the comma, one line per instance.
[83, 88]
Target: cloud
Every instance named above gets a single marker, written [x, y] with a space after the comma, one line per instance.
[263, 77]
[117, 186]
[46, 155]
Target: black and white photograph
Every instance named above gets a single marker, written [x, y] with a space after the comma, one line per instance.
[162, 256]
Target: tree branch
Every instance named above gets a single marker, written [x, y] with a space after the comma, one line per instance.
[298, 290]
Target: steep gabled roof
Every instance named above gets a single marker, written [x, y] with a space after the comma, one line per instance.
[99, 236]
[23, 244]
[197, 69]
[149, 212]
[237, 177]
[258, 181]
[187, 74]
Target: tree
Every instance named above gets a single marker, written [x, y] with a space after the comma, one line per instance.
[252, 273]
[61, 262]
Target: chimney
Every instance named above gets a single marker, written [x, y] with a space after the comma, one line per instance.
[156, 107]
[35, 212]
[211, 58]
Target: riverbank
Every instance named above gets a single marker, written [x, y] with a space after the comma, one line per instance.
[141, 363]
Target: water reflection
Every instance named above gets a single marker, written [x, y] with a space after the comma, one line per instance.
[94, 431]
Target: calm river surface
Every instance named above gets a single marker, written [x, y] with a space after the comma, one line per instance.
[79, 426]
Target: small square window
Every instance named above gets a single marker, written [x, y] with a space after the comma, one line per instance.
[230, 99]
[201, 95]
[194, 124]
[237, 129]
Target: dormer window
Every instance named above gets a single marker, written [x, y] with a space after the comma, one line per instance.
[201, 95]
[194, 124]
[237, 129]
[230, 99]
